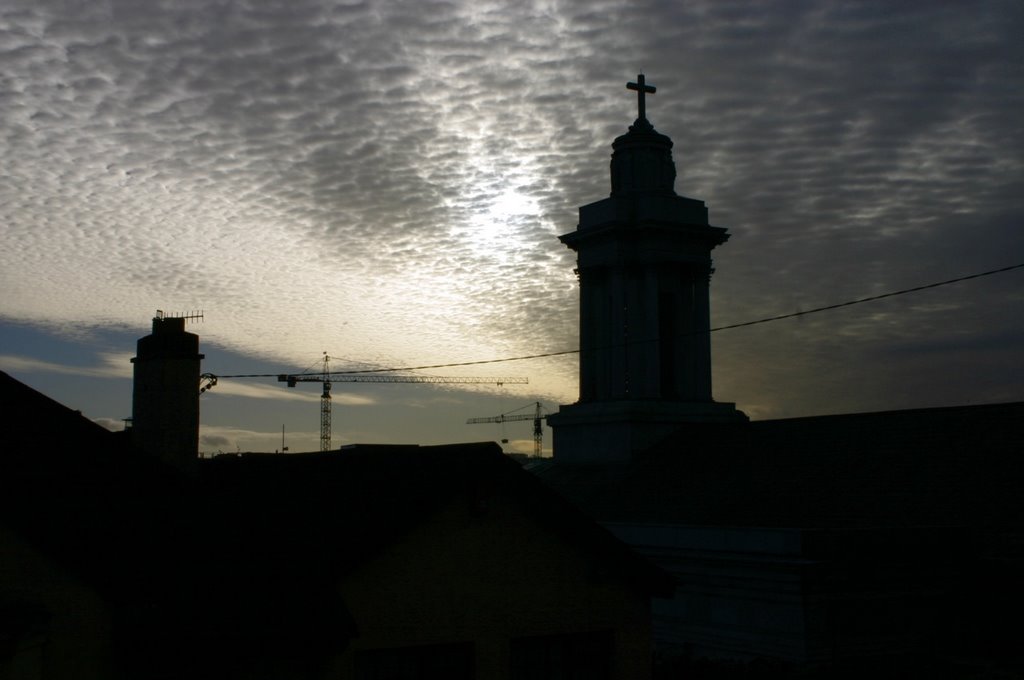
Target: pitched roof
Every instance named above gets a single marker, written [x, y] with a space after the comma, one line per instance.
[246, 539]
[367, 495]
[959, 466]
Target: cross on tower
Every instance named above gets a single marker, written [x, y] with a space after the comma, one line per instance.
[642, 89]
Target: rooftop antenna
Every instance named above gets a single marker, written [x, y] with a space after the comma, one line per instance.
[193, 315]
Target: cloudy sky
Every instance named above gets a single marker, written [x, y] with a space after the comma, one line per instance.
[385, 181]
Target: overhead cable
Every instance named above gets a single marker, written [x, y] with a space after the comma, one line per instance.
[779, 317]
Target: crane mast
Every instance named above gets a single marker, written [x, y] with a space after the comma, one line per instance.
[537, 417]
[326, 377]
[325, 407]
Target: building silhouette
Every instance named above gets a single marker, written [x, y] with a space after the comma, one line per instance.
[644, 268]
[165, 400]
[367, 562]
[876, 544]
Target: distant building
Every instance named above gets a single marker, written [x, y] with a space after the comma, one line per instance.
[862, 545]
[372, 562]
[165, 396]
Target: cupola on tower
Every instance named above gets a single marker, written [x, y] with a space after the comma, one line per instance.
[644, 265]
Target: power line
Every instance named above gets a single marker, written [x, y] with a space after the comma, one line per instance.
[871, 298]
[779, 317]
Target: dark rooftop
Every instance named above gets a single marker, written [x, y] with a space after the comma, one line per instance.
[960, 466]
[239, 544]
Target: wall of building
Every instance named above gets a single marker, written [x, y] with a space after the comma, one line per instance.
[490, 576]
[51, 625]
[806, 597]
[739, 593]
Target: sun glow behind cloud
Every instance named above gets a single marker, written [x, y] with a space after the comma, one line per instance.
[495, 229]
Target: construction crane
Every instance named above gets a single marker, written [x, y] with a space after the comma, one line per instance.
[326, 377]
[537, 416]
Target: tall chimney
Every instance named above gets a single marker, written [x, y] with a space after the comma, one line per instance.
[165, 400]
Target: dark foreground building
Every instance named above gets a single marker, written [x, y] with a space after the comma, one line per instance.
[370, 562]
[863, 545]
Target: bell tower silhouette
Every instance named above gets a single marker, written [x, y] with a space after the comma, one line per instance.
[644, 265]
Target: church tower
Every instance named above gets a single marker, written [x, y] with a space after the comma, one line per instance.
[644, 265]
[165, 397]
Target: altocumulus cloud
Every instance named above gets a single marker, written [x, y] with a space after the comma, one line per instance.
[386, 179]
